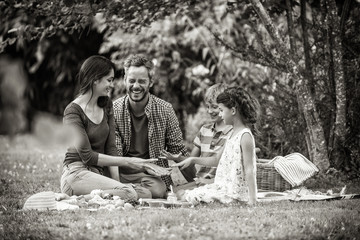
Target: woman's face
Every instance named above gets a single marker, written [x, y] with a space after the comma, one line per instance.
[226, 114]
[104, 85]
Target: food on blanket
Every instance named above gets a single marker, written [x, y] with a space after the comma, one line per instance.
[109, 207]
[98, 200]
[119, 203]
[93, 205]
[107, 196]
[96, 192]
[128, 206]
[61, 206]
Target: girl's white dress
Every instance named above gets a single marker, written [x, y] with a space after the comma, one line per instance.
[229, 183]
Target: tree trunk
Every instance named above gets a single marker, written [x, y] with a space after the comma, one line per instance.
[318, 151]
[336, 53]
[305, 37]
[290, 27]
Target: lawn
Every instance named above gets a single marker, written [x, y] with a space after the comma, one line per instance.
[28, 166]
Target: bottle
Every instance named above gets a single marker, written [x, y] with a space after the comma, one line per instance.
[171, 197]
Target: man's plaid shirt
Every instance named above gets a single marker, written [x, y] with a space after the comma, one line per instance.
[164, 131]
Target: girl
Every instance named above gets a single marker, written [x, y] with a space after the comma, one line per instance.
[90, 121]
[236, 173]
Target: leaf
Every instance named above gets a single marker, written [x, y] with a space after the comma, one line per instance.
[212, 69]
[13, 30]
[204, 53]
[11, 41]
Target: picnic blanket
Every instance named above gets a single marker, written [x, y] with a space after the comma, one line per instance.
[304, 194]
[96, 200]
[294, 168]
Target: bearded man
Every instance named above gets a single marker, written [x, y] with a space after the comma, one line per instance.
[145, 125]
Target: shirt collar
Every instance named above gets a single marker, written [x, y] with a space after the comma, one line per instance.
[148, 106]
[227, 128]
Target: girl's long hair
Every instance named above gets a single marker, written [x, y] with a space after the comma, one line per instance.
[245, 104]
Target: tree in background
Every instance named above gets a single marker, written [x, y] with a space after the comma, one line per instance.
[300, 56]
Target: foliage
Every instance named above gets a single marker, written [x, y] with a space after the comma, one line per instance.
[226, 38]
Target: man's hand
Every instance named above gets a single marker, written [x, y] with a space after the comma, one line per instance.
[184, 164]
[156, 170]
[169, 156]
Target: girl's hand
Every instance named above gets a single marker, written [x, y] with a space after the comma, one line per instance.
[184, 164]
[170, 156]
[156, 170]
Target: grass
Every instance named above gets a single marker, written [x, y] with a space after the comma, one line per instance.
[29, 166]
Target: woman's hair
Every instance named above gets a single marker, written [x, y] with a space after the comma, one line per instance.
[244, 103]
[138, 61]
[94, 68]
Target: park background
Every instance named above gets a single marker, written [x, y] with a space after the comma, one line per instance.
[299, 58]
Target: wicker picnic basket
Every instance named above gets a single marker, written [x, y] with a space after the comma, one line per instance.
[268, 178]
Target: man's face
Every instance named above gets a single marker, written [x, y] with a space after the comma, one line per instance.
[138, 83]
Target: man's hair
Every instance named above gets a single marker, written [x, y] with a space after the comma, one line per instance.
[213, 92]
[138, 61]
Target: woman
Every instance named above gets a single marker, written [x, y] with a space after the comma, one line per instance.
[89, 119]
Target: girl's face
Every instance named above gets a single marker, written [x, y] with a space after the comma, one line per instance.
[104, 86]
[226, 114]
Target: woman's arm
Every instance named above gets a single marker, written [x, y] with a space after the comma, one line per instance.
[247, 147]
[114, 173]
[143, 165]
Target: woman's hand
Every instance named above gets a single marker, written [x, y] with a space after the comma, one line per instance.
[156, 170]
[138, 164]
[184, 164]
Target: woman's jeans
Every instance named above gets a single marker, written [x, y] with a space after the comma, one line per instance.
[79, 179]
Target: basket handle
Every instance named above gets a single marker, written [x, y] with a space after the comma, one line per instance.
[259, 160]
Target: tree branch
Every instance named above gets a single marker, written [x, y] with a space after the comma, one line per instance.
[243, 53]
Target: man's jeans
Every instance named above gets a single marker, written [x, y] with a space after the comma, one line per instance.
[156, 186]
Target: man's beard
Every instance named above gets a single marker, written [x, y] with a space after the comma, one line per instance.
[144, 92]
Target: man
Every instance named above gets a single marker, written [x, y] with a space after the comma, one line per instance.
[145, 125]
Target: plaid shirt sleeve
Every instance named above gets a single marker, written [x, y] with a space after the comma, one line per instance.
[174, 139]
[118, 142]
[197, 139]
[118, 139]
